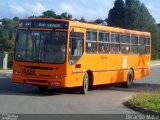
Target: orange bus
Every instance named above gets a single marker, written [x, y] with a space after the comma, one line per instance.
[63, 53]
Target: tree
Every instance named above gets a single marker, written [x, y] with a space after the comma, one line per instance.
[7, 33]
[116, 14]
[49, 14]
[131, 15]
[155, 32]
[99, 21]
[134, 15]
[65, 15]
[52, 14]
[15, 18]
[82, 19]
[33, 16]
[10, 26]
[146, 19]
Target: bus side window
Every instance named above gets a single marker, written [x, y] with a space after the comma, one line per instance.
[125, 44]
[115, 43]
[91, 41]
[141, 46]
[147, 45]
[76, 47]
[104, 43]
[134, 44]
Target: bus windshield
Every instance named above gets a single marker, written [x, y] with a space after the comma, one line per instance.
[41, 46]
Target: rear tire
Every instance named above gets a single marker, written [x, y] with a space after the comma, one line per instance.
[42, 89]
[129, 82]
[85, 86]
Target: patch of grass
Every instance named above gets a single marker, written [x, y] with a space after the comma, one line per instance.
[148, 100]
[155, 60]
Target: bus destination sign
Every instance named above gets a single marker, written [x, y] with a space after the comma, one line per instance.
[43, 24]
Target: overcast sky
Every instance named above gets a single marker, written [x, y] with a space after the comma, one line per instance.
[89, 9]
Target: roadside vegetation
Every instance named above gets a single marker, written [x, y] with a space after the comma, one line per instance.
[147, 100]
[155, 60]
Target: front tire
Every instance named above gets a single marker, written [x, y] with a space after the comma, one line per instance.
[85, 86]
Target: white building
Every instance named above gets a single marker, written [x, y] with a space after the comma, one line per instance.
[0, 23]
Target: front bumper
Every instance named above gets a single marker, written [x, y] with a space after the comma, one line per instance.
[38, 81]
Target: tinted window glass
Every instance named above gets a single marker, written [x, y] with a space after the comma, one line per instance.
[115, 43]
[91, 41]
[103, 36]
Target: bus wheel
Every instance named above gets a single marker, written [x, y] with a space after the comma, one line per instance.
[85, 86]
[42, 89]
[129, 82]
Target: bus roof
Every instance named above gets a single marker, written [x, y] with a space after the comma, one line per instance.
[95, 26]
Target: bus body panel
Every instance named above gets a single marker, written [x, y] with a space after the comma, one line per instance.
[110, 68]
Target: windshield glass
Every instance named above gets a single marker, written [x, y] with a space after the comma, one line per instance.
[41, 46]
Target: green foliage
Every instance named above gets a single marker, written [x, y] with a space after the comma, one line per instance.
[149, 100]
[15, 18]
[155, 31]
[99, 21]
[130, 15]
[7, 36]
[52, 14]
[49, 14]
[116, 14]
[134, 15]
[64, 15]
[82, 19]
